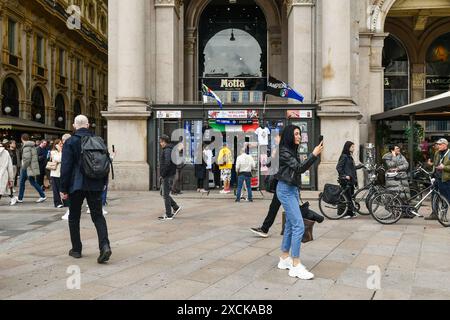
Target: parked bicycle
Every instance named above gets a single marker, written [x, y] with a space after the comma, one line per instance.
[334, 202]
[388, 207]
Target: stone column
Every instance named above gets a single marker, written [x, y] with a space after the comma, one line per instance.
[190, 87]
[167, 50]
[127, 113]
[300, 46]
[25, 109]
[339, 114]
[418, 71]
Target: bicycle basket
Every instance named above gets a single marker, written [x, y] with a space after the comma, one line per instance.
[331, 193]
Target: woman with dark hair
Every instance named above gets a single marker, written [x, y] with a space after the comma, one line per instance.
[347, 173]
[289, 182]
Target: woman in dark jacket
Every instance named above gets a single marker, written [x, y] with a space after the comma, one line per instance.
[347, 173]
[289, 181]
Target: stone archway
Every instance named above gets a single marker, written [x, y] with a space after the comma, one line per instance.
[192, 19]
[378, 12]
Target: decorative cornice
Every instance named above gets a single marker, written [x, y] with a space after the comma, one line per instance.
[297, 3]
[176, 4]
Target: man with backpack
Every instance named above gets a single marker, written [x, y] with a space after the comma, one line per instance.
[85, 168]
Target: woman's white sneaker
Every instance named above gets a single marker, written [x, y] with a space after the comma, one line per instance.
[285, 264]
[300, 272]
[66, 215]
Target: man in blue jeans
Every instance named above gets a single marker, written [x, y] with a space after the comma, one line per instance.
[244, 166]
[29, 169]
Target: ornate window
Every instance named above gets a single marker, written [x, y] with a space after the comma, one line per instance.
[10, 101]
[76, 108]
[396, 74]
[438, 66]
[12, 37]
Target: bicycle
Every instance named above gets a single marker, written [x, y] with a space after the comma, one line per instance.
[388, 207]
[360, 199]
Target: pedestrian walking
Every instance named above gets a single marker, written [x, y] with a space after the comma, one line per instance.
[55, 172]
[167, 172]
[64, 138]
[441, 168]
[275, 204]
[244, 166]
[208, 158]
[42, 152]
[347, 174]
[289, 182]
[80, 180]
[6, 174]
[14, 152]
[29, 169]
[200, 174]
[225, 162]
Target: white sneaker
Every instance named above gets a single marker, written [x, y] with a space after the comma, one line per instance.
[285, 264]
[222, 191]
[13, 201]
[300, 272]
[176, 212]
[105, 212]
[66, 215]
[41, 200]
[88, 211]
[60, 206]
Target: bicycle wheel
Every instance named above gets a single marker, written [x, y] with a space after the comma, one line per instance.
[441, 205]
[386, 208]
[334, 211]
[361, 203]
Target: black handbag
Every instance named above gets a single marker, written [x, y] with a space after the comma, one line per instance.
[271, 184]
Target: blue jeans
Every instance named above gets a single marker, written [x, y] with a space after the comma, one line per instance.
[444, 188]
[248, 183]
[294, 227]
[23, 179]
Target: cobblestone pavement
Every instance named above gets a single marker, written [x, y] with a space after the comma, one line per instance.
[208, 252]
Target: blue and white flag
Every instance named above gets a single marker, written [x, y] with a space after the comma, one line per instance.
[207, 92]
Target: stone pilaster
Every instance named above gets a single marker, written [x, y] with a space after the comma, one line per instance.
[190, 85]
[128, 110]
[418, 72]
[339, 114]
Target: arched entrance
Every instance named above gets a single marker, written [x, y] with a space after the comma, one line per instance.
[76, 108]
[10, 101]
[60, 112]
[233, 50]
[37, 105]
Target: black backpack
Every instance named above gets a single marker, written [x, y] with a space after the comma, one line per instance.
[95, 158]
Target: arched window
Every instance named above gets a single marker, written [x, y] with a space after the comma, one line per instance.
[76, 108]
[396, 74]
[38, 105]
[60, 117]
[92, 112]
[10, 101]
[438, 66]
[233, 50]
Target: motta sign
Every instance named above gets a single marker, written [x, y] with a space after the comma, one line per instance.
[232, 83]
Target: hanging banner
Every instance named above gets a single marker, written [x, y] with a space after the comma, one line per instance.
[233, 114]
[299, 114]
[168, 114]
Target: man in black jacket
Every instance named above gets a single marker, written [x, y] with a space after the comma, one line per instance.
[75, 186]
[42, 152]
[167, 172]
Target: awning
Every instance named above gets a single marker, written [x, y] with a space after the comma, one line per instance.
[434, 108]
[12, 123]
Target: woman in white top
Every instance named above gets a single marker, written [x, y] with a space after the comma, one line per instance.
[55, 156]
[6, 172]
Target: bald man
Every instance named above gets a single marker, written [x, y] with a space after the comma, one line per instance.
[76, 187]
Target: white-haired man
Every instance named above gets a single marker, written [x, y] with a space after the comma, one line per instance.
[76, 185]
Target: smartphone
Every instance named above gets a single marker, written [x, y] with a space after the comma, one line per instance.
[320, 139]
[113, 148]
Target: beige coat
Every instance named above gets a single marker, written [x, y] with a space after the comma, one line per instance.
[6, 172]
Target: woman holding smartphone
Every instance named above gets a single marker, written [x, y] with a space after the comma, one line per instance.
[289, 182]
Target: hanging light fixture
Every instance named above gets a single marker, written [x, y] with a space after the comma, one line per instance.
[8, 110]
[232, 36]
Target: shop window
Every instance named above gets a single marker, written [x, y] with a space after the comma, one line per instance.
[10, 101]
[396, 74]
[38, 105]
[60, 112]
[438, 66]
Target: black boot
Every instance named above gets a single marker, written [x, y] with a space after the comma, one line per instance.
[105, 253]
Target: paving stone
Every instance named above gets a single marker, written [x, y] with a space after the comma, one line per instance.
[328, 269]
[343, 292]
[392, 294]
[419, 293]
[177, 290]
[363, 261]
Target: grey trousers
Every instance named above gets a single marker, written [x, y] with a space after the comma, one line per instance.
[166, 186]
